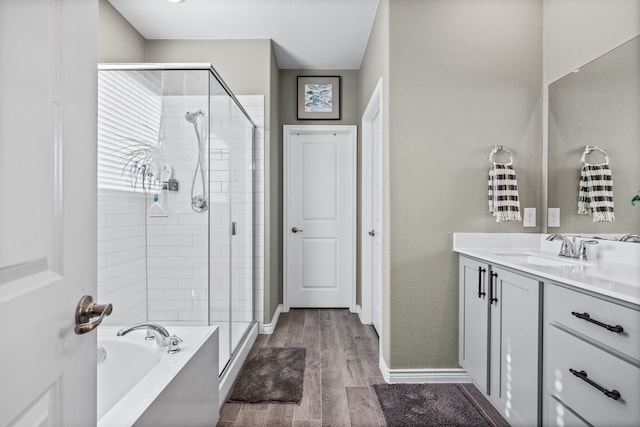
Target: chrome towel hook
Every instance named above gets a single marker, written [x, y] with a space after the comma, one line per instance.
[588, 149]
[498, 149]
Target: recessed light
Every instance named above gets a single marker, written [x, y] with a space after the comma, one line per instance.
[175, 1]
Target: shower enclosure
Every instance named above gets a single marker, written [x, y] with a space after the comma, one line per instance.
[175, 200]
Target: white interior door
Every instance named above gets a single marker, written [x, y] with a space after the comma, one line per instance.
[376, 221]
[47, 210]
[372, 232]
[319, 216]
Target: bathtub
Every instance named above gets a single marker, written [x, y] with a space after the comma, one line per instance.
[141, 384]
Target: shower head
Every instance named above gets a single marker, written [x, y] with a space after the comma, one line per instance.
[192, 117]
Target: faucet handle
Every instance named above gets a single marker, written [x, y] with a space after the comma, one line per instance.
[582, 249]
[566, 248]
[174, 344]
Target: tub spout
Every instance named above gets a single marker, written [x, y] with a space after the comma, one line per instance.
[161, 335]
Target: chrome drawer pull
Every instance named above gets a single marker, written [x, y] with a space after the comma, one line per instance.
[585, 316]
[481, 293]
[614, 394]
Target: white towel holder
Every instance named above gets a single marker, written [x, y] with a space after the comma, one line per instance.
[497, 149]
[588, 149]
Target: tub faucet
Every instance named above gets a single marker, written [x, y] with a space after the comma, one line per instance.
[162, 336]
[630, 238]
[567, 248]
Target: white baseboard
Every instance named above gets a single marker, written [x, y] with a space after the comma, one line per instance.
[268, 328]
[231, 372]
[358, 310]
[423, 375]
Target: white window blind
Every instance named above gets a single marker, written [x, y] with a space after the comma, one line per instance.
[129, 113]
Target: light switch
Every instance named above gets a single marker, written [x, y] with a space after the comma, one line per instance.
[529, 217]
[553, 217]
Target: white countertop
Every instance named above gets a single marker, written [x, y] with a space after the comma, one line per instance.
[614, 270]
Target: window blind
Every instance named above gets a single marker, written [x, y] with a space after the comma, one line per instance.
[129, 113]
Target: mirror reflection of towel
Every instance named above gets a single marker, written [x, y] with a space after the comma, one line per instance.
[504, 201]
[595, 196]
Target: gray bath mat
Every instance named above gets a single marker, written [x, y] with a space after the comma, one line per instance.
[427, 405]
[274, 374]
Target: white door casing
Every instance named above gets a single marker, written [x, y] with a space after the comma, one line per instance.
[372, 232]
[319, 216]
[47, 210]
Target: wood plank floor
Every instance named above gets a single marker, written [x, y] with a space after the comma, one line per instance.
[341, 366]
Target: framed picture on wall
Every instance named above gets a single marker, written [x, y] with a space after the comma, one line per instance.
[318, 97]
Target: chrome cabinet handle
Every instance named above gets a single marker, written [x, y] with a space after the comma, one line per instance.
[297, 230]
[86, 310]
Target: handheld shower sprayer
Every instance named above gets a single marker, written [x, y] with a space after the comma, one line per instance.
[199, 202]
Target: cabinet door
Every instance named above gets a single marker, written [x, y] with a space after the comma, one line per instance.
[515, 346]
[474, 321]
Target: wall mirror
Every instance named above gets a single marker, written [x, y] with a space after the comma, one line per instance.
[597, 105]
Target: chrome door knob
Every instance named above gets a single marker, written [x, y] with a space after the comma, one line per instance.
[372, 233]
[297, 230]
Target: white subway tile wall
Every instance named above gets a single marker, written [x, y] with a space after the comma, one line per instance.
[155, 268]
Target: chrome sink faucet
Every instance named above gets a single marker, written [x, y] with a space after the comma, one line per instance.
[568, 247]
[630, 238]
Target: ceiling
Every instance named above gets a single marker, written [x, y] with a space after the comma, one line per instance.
[306, 34]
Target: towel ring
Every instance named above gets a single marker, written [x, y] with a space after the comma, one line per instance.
[497, 149]
[588, 149]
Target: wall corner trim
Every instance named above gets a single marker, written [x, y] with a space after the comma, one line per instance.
[268, 328]
[358, 311]
[423, 375]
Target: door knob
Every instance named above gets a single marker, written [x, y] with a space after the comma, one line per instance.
[372, 233]
[86, 310]
[297, 230]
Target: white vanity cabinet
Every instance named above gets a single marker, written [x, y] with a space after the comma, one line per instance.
[500, 337]
[592, 359]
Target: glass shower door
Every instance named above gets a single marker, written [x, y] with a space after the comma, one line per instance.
[241, 154]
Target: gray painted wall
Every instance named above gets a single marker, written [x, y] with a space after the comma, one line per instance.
[118, 41]
[273, 202]
[463, 76]
[349, 94]
[376, 64]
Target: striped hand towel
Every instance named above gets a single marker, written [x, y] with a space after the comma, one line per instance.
[504, 202]
[595, 197]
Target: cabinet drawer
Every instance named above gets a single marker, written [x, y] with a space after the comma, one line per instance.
[559, 416]
[564, 352]
[561, 302]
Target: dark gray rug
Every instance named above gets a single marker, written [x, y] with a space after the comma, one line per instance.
[274, 374]
[427, 405]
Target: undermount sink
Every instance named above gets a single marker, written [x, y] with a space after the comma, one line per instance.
[535, 259]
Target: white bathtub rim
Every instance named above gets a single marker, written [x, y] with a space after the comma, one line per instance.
[133, 404]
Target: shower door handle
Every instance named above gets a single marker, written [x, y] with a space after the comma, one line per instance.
[233, 228]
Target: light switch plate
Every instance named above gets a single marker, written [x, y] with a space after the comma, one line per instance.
[529, 217]
[553, 217]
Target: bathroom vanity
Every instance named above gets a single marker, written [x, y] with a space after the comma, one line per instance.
[551, 340]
